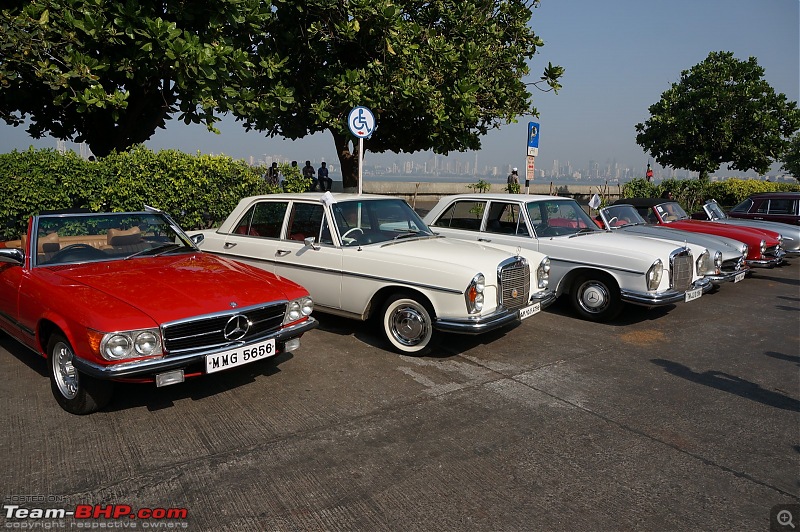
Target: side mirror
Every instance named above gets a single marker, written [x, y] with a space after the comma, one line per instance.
[310, 242]
[198, 238]
[12, 256]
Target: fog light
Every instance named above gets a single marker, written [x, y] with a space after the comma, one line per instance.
[291, 345]
[170, 377]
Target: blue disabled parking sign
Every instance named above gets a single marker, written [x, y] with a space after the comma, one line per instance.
[361, 122]
[533, 138]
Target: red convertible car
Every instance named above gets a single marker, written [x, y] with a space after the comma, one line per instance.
[128, 296]
[764, 246]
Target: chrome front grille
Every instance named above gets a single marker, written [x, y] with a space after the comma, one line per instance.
[681, 271]
[771, 251]
[207, 332]
[514, 280]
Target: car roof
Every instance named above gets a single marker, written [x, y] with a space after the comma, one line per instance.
[790, 195]
[316, 196]
[497, 196]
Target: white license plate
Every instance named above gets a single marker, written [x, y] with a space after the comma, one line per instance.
[240, 356]
[693, 294]
[529, 311]
[739, 277]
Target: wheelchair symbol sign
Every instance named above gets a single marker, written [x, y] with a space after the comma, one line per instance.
[361, 122]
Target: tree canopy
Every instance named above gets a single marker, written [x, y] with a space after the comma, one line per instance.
[110, 73]
[438, 74]
[791, 159]
[721, 111]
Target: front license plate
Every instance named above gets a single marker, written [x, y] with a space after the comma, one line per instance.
[239, 356]
[693, 294]
[529, 311]
[739, 277]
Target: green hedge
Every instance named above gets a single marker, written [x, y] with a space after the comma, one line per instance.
[692, 193]
[197, 190]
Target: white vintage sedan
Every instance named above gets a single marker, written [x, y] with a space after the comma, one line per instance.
[361, 256]
[598, 270]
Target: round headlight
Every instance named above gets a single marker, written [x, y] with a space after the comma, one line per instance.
[480, 283]
[763, 246]
[146, 343]
[546, 265]
[294, 312]
[307, 306]
[479, 302]
[718, 260]
[118, 346]
[745, 250]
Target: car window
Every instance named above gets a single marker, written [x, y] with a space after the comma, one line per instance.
[761, 207]
[505, 218]
[305, 220]
[743, 206]
[264, 219]
[462, 215]
[781, 206]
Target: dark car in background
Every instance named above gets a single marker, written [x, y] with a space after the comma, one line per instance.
[781, 207]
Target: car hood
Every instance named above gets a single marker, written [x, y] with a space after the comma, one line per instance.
[790, 233]
[748, 235]
[729, 248]
[173, 287]
[454, 252]
[620, 245]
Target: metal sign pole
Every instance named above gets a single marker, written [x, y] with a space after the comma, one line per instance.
[360, 165]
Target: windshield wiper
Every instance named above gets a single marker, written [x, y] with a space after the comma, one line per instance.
[409, 233]
[156, 251]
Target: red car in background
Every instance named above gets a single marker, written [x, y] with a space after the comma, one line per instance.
[128, 296]
[764, 246]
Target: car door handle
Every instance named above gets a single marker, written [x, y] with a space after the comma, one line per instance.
[229, 245]
[484, 240]
[282, 252]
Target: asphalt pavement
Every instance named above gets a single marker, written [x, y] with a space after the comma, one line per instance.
[679, 418]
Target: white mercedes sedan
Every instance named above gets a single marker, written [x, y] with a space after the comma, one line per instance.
[363, 256]
[598, 270]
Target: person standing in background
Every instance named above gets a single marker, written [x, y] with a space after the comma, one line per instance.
[325, 182]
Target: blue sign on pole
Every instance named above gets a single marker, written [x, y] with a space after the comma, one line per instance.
[533, 138]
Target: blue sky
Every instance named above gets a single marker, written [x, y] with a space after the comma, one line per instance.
[619, 56]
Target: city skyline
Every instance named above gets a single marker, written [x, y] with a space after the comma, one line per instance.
[619, 58]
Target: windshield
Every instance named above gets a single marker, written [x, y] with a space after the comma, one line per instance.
[671, 211]
[559, 217]
[79, 238]
[715, 211]
[617, 216]
[374, 221]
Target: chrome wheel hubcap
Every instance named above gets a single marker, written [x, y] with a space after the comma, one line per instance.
[408, 326]
[66, 375]
[593, 297]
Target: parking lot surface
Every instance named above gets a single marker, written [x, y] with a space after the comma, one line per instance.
[679, 418]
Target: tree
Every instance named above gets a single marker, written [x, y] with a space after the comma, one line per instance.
[791, 159]
[721, 111]
[110, 73]
[438, 74]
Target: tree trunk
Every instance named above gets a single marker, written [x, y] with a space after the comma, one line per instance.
[348, 161]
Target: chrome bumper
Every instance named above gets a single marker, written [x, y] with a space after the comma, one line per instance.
[667, 297]
[490, 322]
[727, 277]
[144, 368]
[768, 263]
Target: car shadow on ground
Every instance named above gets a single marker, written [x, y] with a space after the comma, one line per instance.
[132, 395]
[629, 314]
[731, 384]
[444, 345]
[31, 359]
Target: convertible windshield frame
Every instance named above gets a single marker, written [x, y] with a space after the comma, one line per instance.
[103, 237]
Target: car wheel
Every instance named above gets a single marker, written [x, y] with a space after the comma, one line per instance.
[407, 324]
[75, 392]
[596, 297]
